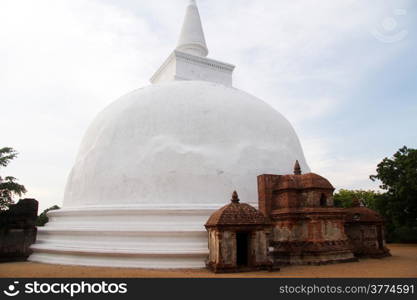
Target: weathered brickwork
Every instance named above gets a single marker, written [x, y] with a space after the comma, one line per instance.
[238, 239]
[297, 223]
[365, 229]
[307, 228]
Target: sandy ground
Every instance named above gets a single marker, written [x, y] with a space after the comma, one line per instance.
[403, 263]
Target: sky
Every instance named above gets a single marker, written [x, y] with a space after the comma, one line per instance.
[344, 73]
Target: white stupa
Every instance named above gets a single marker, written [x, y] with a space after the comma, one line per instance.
[156, 163]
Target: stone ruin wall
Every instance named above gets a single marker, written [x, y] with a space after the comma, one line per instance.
[223, 249]
[18, 230]
[227, 247]
[259, 247]
[365, 238]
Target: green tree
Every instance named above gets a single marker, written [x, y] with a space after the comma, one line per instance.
[398, 177]
[344, 198]
[8, 185]
[43, 218]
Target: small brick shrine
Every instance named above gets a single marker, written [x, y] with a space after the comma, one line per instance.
[238, 238]
[365, 229]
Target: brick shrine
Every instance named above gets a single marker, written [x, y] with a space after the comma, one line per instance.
[238, 238]
[365, 229]
[307, 228]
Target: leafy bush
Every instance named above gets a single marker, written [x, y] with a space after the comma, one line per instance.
[43, 218]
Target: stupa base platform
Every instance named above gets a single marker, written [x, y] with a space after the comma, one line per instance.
[128, 237]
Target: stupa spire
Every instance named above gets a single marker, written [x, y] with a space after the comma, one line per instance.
[192, 38]
[189, 60]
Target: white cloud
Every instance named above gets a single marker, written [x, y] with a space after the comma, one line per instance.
[344, 172]
[64, 61]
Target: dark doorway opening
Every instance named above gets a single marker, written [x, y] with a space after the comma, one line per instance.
[323, 201]
[242, 245]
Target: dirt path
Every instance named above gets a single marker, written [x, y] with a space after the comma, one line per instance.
[403, 263]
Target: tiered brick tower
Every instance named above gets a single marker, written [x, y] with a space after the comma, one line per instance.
[307, 228]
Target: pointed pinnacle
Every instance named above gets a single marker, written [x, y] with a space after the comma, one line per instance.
[235, 197]
[192, 40]
[297, 168]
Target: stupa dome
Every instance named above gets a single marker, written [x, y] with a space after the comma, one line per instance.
[156, 163]
[182, 143]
